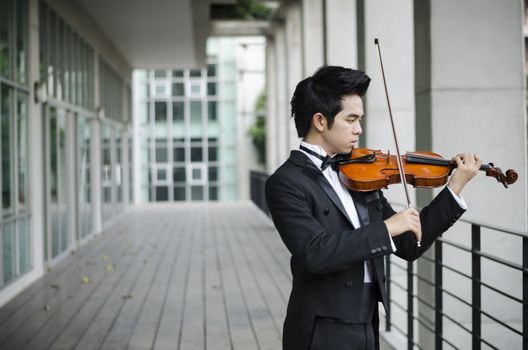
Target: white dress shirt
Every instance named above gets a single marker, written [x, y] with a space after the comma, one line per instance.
[345, 197]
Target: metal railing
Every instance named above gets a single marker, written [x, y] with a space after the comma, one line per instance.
[477, 255]
[257, 182]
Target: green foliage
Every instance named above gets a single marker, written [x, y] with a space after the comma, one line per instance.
[258, 130]
[249, 10]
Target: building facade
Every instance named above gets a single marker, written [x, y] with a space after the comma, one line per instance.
[66, 170]
[192, 124]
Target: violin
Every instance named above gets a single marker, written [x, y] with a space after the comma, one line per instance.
[370, 170]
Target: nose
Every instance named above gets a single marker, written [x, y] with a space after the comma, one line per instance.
[358, 130]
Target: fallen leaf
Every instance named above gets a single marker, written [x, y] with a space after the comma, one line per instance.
[55, 286]
[127, 296]
[109, 267]
[86, 280]
[46, 307]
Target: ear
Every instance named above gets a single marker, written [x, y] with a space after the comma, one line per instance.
[319, 121]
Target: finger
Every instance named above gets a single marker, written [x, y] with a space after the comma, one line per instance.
[458, 160]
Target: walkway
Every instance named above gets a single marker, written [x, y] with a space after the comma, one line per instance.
[182, 276]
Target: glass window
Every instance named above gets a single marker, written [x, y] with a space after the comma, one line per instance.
[160, 89]
[21, 42]
[179, 193]
[177, 111]
[159, 73]
[211, 70]
[23, 152]
[213, 193]
[160, 111]
[195, 89]
[177, 73]
[213, 173]
[5, 147]
[178, 89]
[161, 174]
[212, 110]
[5, 44]
[161, 154]
[162, 193]
[197, 193]
[24, 248]
[196, 112]
[178, 174]
[196, 154]
[196, 174]
[8, 250]
[213, 154]
[195, 73]
[178, 154]
[211, 89]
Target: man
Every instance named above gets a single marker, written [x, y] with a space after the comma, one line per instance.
[338, 237]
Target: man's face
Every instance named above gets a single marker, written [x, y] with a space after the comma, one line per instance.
[345, 131]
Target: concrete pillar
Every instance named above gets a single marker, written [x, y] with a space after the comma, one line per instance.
[313, 35]
[341, 33]
[36, 142]
[271, 106]
[395, 34]
[282, 100]
[470, 96]
[95, 152]
[295, 66]
[124, 168]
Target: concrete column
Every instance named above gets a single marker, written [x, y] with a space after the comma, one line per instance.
[391, 23]
[271, 106]
[124, 168]
[137, 110]
[395, 34]
[71, 180]
[282, 100]
[36, 142]
[295, 66]
[341, 33]
[470, 96]
[95, 151]
[313, 35]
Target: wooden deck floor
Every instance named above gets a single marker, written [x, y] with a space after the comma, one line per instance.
[189, 276]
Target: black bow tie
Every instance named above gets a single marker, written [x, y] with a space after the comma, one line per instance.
[333, 162]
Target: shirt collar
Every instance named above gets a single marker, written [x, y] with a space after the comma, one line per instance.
[317, 149]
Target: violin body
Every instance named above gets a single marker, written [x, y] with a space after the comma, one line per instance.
[370, 170]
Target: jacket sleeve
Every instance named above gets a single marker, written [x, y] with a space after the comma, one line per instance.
[312, 246]
[435, 219]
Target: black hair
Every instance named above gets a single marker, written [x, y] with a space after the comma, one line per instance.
[322, 92]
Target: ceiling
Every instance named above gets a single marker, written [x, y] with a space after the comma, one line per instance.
[155, 33]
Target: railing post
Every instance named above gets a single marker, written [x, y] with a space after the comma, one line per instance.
[525, 293]
[438, 296]
[410, 306]
[388, 286]
[476, 289]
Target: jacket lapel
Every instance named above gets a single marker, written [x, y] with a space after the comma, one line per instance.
[310, 170]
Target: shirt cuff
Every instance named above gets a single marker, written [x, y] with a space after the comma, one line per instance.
[459, 200]
[392, 243]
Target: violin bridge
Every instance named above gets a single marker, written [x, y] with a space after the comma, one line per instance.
[388, 156]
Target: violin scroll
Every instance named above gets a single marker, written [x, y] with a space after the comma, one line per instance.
[496, 172]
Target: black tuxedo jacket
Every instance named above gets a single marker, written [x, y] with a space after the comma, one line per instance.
[328, 253]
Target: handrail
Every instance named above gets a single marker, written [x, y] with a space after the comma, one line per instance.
[477, 254]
